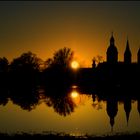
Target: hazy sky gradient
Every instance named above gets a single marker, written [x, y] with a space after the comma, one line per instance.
[85, 27]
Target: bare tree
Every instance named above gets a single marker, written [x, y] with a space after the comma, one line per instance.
[3, 64]
[96, 60]
[61, 58]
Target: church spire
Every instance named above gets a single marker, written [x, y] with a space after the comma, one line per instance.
[127, 53]
[112, 40]
[127, 47]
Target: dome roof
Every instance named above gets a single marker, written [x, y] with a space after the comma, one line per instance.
[112, 49]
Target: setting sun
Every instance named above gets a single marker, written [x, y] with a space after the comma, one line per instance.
[74, 64]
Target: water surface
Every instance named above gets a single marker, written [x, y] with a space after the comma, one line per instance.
[74, 113]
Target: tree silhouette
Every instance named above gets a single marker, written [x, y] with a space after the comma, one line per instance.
[3, 64]
[61, 58]
[96, 60]
[27, 62]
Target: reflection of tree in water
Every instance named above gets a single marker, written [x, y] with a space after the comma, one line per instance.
[58, 98]
[65, 99]
[97, 103]
[63, 105]
[25, 96]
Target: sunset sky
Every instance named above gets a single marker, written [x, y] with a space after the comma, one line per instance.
[84, 26]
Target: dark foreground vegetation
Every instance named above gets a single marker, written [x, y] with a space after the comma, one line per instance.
[134, 136]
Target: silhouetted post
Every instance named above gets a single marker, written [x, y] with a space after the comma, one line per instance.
[94, 64]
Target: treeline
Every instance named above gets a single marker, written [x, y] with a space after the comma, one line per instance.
[29, 62]
[30, 70]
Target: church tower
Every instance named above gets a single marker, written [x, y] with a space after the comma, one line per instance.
[127, 54]
[138, 56]
[112, 53]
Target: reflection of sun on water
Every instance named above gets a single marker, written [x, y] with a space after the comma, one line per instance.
[77, 97]
[74, 94]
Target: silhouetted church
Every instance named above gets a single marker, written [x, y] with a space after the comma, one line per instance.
[115, 72]
[112, 53]
[112, 72]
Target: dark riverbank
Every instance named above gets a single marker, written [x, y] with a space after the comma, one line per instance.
[60, 136]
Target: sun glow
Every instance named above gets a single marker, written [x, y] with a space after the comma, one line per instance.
[74, 94]
[75, 65]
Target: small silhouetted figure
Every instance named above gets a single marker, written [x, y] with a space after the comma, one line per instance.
[112, 53]
[138, 56]
[127, 54]
[127, 108]
[112, 109]
[93, 63]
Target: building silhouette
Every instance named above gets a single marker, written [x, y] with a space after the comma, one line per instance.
[138, 56]
[127, 54]
[118, 73]
[112, 52]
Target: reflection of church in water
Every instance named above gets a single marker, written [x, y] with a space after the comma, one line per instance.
[112, 109]
[119, 79]
[113, 105]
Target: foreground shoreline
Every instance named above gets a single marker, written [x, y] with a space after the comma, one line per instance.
[133, 136]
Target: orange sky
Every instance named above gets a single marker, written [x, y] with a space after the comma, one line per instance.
[85, 27]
